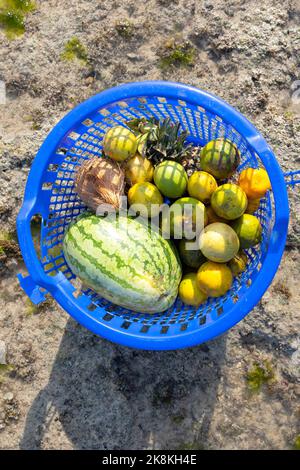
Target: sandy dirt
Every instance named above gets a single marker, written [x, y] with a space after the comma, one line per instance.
[64, 388]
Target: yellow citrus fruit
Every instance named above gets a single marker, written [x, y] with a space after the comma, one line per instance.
[189, 291]
[201, 185]
[248, 229]
[138, 169]
[219, 242]
[238, 264]
[253, 205]
[145, 198]
[213, 217]
[229, 201]
[255, 182]
[214, 279]
[119, 143]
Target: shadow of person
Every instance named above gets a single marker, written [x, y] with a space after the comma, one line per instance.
[110, 397]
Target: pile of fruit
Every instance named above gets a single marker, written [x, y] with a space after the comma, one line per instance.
[122, 258]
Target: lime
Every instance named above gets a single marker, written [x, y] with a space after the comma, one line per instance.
[171, 179]
[213, 217]
[252, 206]
[248, 229]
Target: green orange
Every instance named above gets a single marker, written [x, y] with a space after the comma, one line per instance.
[171, 179]
[248, 229]
[238, 264]
[229, 201]
[187, 217]
[189, 255]
[220, 158]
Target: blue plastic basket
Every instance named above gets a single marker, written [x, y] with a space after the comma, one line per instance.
[50, 193]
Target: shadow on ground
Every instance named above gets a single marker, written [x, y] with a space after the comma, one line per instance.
[110, 397]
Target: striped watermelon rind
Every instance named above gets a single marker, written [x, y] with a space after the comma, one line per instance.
[124, 260]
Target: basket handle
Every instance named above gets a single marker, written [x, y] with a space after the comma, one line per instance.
[292, 178]
[37, 277]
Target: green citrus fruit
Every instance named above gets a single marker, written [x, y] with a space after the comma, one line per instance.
[238, 264]
[229, 201]
[213, 217]
[219, 242]
[186, 218]
[248, 229]
[171, 179]
[220, 158]
[191, 257]
[119, 143]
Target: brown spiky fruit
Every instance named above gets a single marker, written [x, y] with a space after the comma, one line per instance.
[100, 181]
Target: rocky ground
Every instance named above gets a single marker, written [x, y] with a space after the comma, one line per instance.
[61, 387]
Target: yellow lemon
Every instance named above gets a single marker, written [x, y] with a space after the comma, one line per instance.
[219, 242]
[255, 182]
[189, 291]
[214, 279]
[229, 201]
[119, 143]
[138, 169]
[145, 198]
[201, 185]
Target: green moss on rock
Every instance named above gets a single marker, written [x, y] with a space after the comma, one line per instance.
[73, 50]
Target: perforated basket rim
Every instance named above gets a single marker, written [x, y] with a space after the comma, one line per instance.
[60, 287]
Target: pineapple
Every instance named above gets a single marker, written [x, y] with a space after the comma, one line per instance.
[191, 162]
[161, 140]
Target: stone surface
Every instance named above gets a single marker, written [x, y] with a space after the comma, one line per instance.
[2, 352]
[73, 390]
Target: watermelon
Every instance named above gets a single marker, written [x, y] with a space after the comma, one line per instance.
[124, 260]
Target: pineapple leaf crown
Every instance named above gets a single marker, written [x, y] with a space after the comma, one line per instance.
[160, 140]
